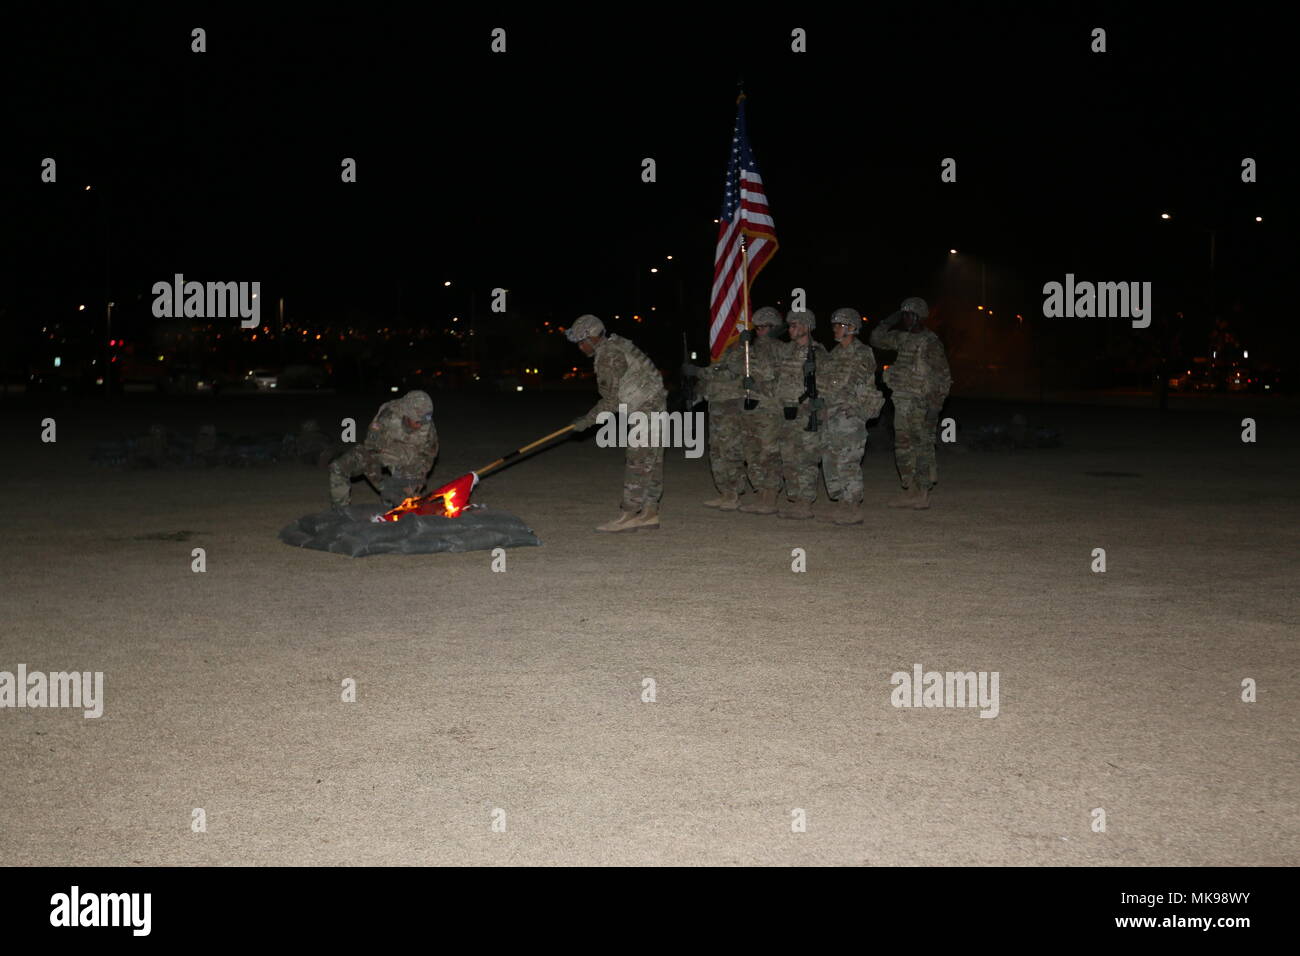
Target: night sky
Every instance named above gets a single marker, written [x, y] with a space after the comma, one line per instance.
[523, 170]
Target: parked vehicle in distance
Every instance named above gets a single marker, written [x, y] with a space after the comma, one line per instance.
[1239, 380]
[1204, 381]
[1194, 380]
[262, 379]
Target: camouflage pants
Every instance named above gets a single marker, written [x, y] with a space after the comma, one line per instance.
[643, 472]
[915, 423]
[801, 450]
[393, 489]
[844, 441]
[643, 478]
[761, 431]
[727, 445]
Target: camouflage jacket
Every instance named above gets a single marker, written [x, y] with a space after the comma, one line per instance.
[849, 382]
[764, 356]
[921, 367]
[625, 375]
[789, 371]
[724, 380]
[400, 450]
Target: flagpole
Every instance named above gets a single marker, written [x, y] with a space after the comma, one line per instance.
[749, 325]
[744, 265]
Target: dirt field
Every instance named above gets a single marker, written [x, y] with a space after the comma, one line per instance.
[522, 691]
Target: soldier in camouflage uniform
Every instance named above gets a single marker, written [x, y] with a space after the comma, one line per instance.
[849, 387]
[744, 442]
[401, 440]
[626, 376]
[722, 387]
[920, 380]
[800, 448]
[761, 425]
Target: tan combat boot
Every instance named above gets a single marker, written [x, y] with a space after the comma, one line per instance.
[766, 504]
[647, 519]
[922, 500]
[904, 500]
[850, 513]
[621, 523]
[726, 501]
[796, 511]
[830, 511]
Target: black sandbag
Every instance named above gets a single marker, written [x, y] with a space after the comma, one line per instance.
[351, 532]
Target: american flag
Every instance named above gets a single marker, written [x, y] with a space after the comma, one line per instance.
[744, 213]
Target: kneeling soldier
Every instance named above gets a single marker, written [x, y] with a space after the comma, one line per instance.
[402, 441]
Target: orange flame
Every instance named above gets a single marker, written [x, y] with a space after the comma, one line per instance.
[442, 502]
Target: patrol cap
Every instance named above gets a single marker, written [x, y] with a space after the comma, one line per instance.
[767, 316]
[916, 305]
[584, 327]
[850, 317]
[805, 318]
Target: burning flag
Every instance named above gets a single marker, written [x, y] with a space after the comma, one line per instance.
[448, 501]
[451, 500]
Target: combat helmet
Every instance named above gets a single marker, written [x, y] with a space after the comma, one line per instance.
[916, 305]
[584, 327]
[850, 317]
[418, 406]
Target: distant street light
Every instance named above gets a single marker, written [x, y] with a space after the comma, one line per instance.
[81, 308]
[654, 270]
[952, 251]
[447, 283]
[1164, 215]
[1259, 218]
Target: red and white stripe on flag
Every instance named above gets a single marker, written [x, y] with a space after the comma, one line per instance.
[744, 213]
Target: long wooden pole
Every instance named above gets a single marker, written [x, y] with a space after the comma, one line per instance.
[522, 451]
[749, 326]
[744, 281]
